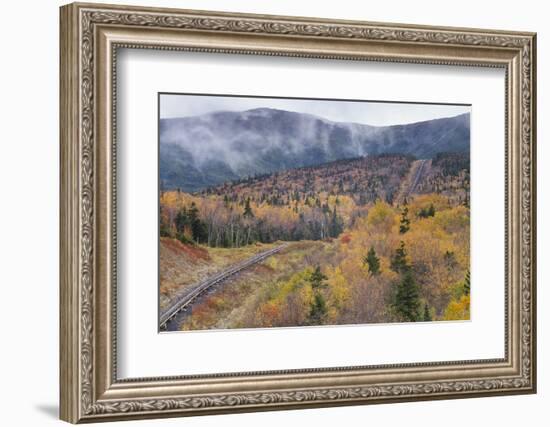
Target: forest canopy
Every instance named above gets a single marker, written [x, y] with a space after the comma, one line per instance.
[362, 249]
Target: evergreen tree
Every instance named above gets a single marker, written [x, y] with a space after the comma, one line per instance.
[398, 262]
[405, 224]
[427, 212]
[427, 314]
[336, 224]
[181, 220]
[198, 228]
[200, 231]
[407, 299]
[318, 310]
[373, 262]
[467, 283]
[193, 212]
[164, 228]
[317, 278]
[247, 209]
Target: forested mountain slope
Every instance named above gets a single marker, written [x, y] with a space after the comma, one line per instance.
[207, 150]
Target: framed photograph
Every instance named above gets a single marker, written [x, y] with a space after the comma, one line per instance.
[266, 212]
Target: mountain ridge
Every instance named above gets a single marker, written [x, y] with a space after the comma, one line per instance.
[197, 152]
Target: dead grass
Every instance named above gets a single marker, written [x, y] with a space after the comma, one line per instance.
[234, 303]
[182, 265]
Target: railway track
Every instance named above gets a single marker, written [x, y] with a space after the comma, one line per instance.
[416, 178]
[186, 298]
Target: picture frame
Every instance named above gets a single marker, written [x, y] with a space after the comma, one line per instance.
[91, 37]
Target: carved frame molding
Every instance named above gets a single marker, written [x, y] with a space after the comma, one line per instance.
[90, 390]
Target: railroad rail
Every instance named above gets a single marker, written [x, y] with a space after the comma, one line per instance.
[416, 178]
[183, 300]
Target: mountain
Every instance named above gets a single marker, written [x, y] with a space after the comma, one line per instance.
[203, 151]
[364, 179]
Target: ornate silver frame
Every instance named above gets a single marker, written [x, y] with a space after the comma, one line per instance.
[90, 36]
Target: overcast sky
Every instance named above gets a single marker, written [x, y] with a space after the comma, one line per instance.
[371, 113]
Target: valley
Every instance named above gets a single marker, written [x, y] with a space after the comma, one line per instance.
[370, 239]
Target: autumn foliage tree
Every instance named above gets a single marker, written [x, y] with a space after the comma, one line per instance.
[341, 222]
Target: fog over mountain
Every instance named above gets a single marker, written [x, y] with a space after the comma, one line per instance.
[201, 151]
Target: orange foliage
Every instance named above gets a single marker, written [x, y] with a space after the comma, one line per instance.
[268, 313]
[345, 239]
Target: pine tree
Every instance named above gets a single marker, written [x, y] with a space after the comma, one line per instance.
[317, 278]
[372, 261]
[427, 314]
[181, 220]
[399, 260]
[198, 227]
[407, 299]
[405, 224]
[318, 310]
[427, 212]
[247, 209]
[336, 224]
[467, 283]
[193, 212]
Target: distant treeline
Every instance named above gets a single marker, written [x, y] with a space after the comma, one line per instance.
[219, 223]
[310, 203]
[449, 175]
[365, 179]
[452, 163]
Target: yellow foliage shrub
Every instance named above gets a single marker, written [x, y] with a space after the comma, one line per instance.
[381, 216]
[458, 310]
